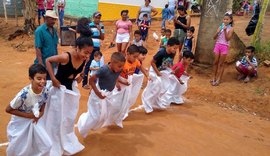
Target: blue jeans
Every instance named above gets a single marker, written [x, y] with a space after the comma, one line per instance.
[61, 17]
[87, 66]
[163, 24]
[171, 16]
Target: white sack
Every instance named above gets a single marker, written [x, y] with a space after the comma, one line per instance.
[161, 91]
[59, 119]
[27, 138]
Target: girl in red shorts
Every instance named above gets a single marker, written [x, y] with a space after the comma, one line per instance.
[223, 35]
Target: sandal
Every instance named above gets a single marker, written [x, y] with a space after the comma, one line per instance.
[240, 77]
[215, 83]
[247, 79]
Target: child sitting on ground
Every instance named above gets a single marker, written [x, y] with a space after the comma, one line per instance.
[247, 67]
[28, 107]
[180, 68]
[143, 52]
[164, 41]
[137, 38]
[189, 42]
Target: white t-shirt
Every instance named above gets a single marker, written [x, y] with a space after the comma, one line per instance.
[26, 99]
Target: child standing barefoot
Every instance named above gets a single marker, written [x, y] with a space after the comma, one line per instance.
[26, 135]
[223, 35]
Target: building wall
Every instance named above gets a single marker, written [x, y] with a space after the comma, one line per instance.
[81, 8]
[10, 8]
[111, 9]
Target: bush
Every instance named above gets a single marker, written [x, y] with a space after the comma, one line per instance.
[262, 51]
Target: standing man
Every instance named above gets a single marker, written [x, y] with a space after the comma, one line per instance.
[41, 10]
[61, 6]
[46, 39]
[97, 29]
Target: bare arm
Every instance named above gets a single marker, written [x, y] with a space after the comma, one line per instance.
[94, 68]
[216, 34]
[63, 58]
[16, 112]
[144, 71]
[193, 45]
[228, 35]
[184, 25]
[153, 64]
[94, 87]
[130, 32]
[39, 56]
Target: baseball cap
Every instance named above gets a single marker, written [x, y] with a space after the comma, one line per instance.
[95, 14]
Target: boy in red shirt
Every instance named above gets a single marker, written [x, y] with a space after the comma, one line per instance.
[180, 68]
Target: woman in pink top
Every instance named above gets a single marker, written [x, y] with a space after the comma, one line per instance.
[123, 32]
[223, 35]
[49, 4]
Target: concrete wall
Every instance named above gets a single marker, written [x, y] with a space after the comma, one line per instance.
[81, 8]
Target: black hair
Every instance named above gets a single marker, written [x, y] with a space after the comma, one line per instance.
[142, 50]
[132, 49]
[148, 0]
[137, 32]
[251, 48]
[97, 53]
[173, 41]
[168, 30]
[188, 54]
[182, 8]
[82, 42]
[124, 11]
[192, 29]
[118, 56]
[145, 15]
[36, 68]
[166, 5]
[83, 27]
[231, 17]
[163, 28]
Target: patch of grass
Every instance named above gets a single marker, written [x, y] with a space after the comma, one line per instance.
[263, 51]
[260, 91]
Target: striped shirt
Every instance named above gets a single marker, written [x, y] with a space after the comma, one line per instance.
[245, 63]
[96, 33]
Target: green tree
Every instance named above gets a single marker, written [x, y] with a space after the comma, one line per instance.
[257, 34]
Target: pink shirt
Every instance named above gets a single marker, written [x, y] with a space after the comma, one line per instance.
[40, 4]
[123, 26]
[50, 4]
[221, 39]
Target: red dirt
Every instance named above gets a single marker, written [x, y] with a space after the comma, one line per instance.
[231, 119]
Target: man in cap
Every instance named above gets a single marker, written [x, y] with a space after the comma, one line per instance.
[97, 29]
[46, 39]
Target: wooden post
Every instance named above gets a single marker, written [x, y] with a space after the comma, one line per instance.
[5, 11]
[15, 12]
[257, 34]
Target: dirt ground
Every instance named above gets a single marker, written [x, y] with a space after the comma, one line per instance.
[231, 119]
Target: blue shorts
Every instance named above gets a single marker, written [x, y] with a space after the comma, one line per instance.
[41, 12]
